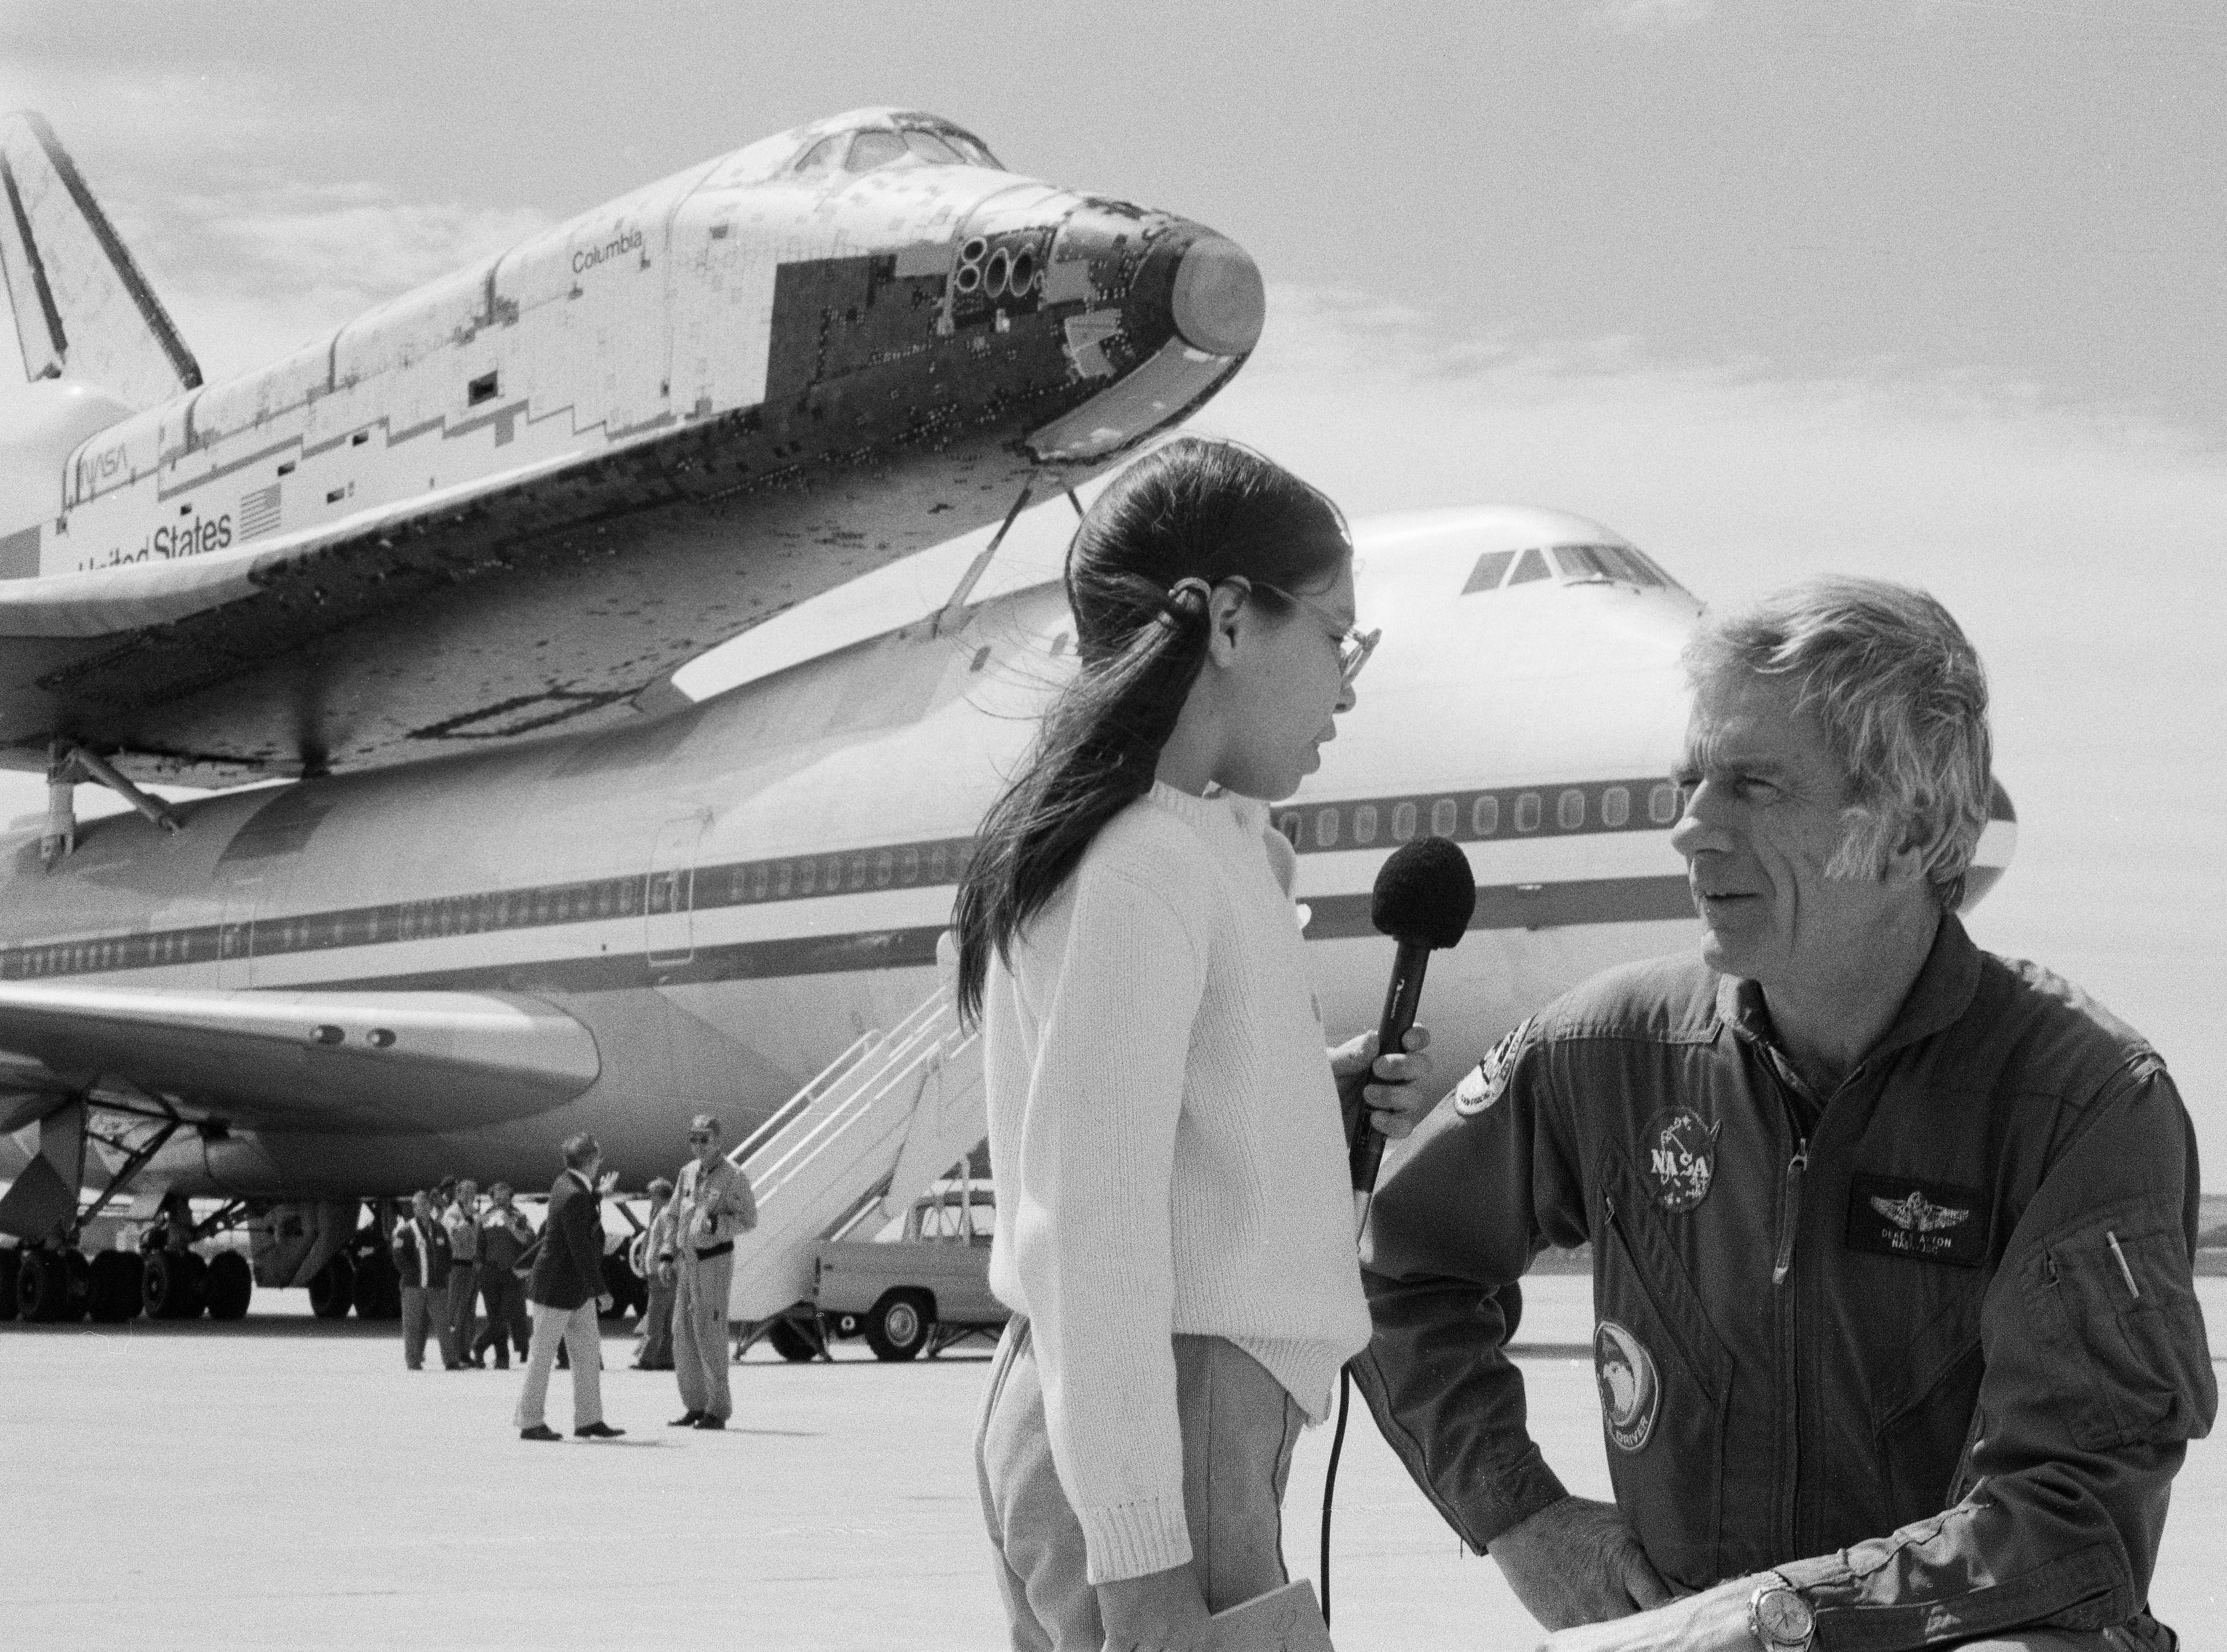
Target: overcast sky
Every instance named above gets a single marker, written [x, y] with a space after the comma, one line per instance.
[1928, 289]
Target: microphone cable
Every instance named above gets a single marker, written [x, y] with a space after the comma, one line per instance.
[1329, 1478]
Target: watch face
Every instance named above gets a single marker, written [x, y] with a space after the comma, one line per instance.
[1785, 1618]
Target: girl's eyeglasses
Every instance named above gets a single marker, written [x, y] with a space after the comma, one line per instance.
[1354, 644]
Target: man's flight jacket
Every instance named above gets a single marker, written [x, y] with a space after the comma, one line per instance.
[1928, 1346]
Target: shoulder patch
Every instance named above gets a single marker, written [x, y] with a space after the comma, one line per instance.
[1487, 1082]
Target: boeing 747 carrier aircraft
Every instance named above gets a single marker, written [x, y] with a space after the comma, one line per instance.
[441, 946]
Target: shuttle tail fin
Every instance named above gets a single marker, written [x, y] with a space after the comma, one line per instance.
[82, 308]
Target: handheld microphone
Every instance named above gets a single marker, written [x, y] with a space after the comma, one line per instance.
[1423, 899]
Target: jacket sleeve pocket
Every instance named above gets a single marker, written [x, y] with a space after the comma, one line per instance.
[2114, 1300]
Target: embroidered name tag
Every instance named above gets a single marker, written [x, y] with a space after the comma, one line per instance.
[1927, 1221]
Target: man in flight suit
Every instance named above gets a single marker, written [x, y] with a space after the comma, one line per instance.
[1896, 1337]
[712, 1203]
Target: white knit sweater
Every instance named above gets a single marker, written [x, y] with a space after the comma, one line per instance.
[1165, 1136]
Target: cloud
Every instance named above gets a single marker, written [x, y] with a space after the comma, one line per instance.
[250, 272]
[262, 271]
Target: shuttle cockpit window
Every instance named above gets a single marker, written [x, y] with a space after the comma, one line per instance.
[928, 147]
[1530, 567]
[872, 149]
[825, 156]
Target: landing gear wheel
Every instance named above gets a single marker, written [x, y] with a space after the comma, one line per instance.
[113, 1296]
[10, 1263]
[49, 1289]
[330, 1290]
[377, 1290]
[176, 1285]
[231, 1285]
[898, 1327]
[792, 1341]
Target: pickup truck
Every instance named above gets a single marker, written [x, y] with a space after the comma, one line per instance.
[920, 1290]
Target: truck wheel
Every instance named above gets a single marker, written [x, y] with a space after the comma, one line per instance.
[231, 1285]
[899, 1325]
[332, 1288]
[790, 1342]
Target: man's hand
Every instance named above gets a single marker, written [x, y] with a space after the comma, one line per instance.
[1400, 1097]
[1576, 1561]
[603, 1303]
[1713, 1621]
[1161, 1611]
[667, 1271]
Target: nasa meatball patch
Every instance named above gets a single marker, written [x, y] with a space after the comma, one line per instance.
[1682, 1158]
[1926, 1222]
[1631, 1391]
[1487, 1082]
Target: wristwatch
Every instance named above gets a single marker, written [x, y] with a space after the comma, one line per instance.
[1779, 1618]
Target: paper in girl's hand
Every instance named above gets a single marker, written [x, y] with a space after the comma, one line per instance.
[1283, 1620]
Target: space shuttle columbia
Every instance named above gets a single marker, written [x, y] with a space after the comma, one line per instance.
[478, 870]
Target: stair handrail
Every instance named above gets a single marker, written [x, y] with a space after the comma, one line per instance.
[866, 1080]
[814, 1087]
[768, 1178]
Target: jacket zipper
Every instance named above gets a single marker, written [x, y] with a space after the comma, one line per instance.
[1790, 1210]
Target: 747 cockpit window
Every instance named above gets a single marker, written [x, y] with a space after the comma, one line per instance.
[1604, 562]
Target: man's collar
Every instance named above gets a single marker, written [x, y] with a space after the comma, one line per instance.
[1936, 999]
[581, 1176]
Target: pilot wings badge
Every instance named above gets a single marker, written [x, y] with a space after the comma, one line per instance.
[1487, 1082]
[1926, 1222]
[1916, 1215]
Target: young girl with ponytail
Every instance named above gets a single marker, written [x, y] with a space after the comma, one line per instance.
[1175, 1233]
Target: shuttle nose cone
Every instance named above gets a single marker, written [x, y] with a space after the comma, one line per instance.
[1218, 303]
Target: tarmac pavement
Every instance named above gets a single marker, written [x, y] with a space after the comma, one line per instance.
[284, 1482]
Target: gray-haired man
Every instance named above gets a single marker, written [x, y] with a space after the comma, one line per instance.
[1896, 1338]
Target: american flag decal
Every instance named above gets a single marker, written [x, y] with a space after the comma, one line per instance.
[258, 513]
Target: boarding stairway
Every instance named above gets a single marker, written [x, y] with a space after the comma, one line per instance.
[855, 1146]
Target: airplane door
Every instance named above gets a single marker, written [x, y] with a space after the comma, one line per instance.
[669, 902]
[235, 938]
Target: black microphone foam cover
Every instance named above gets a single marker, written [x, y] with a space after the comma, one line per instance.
[1424, 893]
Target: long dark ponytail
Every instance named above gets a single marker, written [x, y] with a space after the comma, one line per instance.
[1186, 516]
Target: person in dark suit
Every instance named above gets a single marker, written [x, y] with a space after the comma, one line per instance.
[565, 1295]
[420, 1247]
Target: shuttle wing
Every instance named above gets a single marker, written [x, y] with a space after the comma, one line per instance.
[373, 1063]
